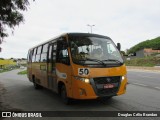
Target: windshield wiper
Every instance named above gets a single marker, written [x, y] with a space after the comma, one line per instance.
[114, 60]
[95, 60]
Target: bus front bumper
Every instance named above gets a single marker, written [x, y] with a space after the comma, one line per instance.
[94, 90]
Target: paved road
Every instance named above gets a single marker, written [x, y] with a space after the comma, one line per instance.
[147, 79]
[20, 94]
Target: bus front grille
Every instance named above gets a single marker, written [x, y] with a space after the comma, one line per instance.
[101, 82]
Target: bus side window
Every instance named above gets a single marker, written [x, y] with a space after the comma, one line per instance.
[34, 54]
[44, 53]
[29, 58]
[51, 58]
[62, 53]
[54, 52]
[38, 55]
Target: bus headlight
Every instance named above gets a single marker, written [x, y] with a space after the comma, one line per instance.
[86, 80]
[124, 77]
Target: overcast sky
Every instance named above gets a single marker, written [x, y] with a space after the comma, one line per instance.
[126, 21]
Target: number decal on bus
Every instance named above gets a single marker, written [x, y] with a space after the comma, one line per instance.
[83, 71]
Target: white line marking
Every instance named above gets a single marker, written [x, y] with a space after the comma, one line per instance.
[157, 87]
[140, 84]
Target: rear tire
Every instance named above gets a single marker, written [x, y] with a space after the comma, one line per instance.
[36, 86]
[64, 97]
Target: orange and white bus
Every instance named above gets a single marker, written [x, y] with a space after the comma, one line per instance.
[78, 66]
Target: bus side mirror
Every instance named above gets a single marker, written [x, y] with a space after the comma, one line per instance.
[119, 46]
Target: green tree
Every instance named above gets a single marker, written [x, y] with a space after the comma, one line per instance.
[153, 43]
[11, 15]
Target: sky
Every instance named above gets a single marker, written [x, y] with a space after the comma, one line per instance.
[125, 21]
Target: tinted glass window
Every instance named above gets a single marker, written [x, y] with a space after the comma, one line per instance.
[34, 53]
[50, 53]
[30, 56]
[39, 49]
[44, 57]
[37, 58]
[45, 48]
[54, 51]
[62, 52]
[54, 56]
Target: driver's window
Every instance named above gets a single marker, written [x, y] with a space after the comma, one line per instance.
[62, 52]
[112, 51]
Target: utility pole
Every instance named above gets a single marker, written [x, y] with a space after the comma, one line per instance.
[90, 26]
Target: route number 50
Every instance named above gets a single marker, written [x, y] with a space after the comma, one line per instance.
[83, 71]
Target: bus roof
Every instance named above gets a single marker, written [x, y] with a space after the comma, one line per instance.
[72, 34]
[87, 35]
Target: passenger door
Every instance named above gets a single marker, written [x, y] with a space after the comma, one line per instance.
[63, 66]
[51, 69]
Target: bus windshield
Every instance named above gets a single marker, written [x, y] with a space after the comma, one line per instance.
[94, 50]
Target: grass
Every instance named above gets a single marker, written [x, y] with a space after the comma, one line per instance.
[22, 72]
[9, 68]
[5, 70]
[145, 62]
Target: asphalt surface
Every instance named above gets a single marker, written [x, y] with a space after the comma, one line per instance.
[143, 94]
[149, 79]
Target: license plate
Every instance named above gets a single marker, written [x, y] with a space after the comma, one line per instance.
[108, 86]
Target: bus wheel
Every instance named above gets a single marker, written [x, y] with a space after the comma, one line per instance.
[36, 86]
[64, 97]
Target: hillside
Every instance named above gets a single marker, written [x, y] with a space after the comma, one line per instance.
[153, 43]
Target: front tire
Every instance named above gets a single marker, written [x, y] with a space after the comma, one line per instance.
[64, 97]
